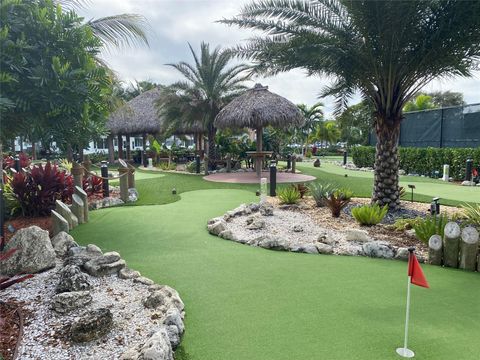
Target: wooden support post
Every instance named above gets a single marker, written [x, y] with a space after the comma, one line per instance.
[87, 164]
[127, 148]
[120, 146]
[452, 243]
[469, 249]
[258, 159]
[435, 250]
[111, 151]
[131, 177]
[144, 154]
[294, 163]
[77, 172]
[123, 183]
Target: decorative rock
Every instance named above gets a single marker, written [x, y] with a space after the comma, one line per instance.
[80, 255]
[435, 250]
[357, 235]
[297, 228]
[91, 325]
[217, 228]
[68, 301]
[65, 212]
[59, 223]
[107, 264]
[77, 208]
[174, 325]
[127, 273]
[316, 163]
[468, 183]
[154, 300]
[257, 224]
[132, 195]
[378, 249]
[272, 243]
[324, 249]
[468, 248]
[266, 209]
[83, 195]
[143, 280]
[34, 252]
[289, 207]
[73, 279]
[402, 254]
[307, 248]
[254, 207]
[170, 296]
[353, 250]
[157, 347]
[227, 235]
[324, 238]
[62, 242]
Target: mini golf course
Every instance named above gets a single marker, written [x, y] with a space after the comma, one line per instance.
[245, 303]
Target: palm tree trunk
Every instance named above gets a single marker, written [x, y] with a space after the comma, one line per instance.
[385, 190]
[212, 152]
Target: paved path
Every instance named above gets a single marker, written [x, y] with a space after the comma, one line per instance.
[251, 177]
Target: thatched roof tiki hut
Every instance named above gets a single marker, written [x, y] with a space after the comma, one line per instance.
[256, 109]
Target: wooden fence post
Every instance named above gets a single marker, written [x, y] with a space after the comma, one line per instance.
[469, 248]
[435, 250]
[452, 241]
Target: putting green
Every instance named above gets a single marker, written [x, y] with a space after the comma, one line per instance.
[247, 303]
[423, 186]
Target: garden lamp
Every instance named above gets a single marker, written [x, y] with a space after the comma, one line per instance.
[411, 186]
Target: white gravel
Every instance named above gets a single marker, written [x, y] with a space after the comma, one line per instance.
[45, 331]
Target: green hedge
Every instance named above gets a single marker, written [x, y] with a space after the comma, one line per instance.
[423, 161]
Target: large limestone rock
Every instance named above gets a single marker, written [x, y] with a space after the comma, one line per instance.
[357, 235]
[378, 249]
[66, 213]
[106, 264]
[127, 273]
[266, 209]
[272, 243]
[174, 325]
[157, 347]
[34, 252]
[91, 325]
[68, 301]
[62, 242]
[81, 254]
[305, 248]
[217, 227]
[256, 223]
[73, 279]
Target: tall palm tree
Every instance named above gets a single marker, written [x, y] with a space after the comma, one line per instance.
[208, 85]
[115, 31]
[312, 115]
[387, 50]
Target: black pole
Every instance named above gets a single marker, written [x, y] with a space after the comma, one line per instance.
[17, 163]
[2, 219]
[197, 164]
[273, 178]
[345, 157]
[289, 158]
[104, 170]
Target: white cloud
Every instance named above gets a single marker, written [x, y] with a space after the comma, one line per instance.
[176, 22]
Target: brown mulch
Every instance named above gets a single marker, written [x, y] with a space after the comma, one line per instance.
[11, 328]
[44, 222]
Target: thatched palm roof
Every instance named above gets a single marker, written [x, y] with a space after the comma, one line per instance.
[196, 127]
[138, 116]
[258, 108]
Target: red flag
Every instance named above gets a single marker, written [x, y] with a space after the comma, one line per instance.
[415, 271]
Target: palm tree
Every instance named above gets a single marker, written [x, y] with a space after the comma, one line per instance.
[387, 50]
[208, 85]
[312, 115]
[116, 31]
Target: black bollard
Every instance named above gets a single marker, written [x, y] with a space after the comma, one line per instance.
[468, 170]
[144, 159]
[289, 159]
[104, 170]
[197, 164]
[345, 154]
[17, 163]
[273, 178]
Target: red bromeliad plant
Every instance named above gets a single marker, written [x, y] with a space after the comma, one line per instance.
[92, 185]
[9, 161]
[37, 190]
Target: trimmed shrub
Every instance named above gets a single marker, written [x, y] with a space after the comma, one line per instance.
[423, 161]
[369, 214]
[288, 195]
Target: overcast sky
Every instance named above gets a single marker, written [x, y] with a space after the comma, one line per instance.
[176, 22]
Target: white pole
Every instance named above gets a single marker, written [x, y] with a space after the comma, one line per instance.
[405, 351]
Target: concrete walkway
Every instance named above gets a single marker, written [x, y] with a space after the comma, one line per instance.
[251, 177]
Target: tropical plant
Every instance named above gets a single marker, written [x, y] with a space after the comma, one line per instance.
[320, 192]
[337, 200]
[327, 132]
[288, 195]
[92, 185]
[431, 225]
[9, 161]
[355, 123]
[369, 214]
[446, 98]
[312, 115]
[387, 50]
[421, 102]
[37, 190]
[65, 164]
[472, 212]
[403, 224]
[208, 85]
[301, 188]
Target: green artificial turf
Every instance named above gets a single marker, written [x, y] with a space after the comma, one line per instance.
[245, 303]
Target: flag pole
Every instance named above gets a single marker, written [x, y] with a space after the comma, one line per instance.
[405, 351]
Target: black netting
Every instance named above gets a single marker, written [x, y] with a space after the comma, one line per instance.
[448, 127]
